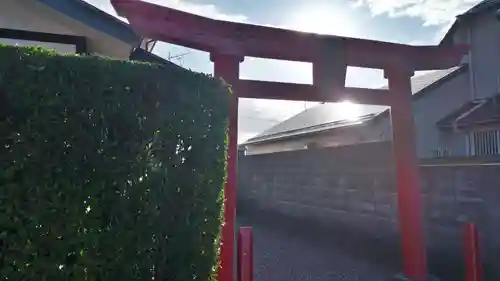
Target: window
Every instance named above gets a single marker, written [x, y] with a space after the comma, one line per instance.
[483, 143]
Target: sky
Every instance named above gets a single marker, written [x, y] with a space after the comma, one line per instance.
[416, 22]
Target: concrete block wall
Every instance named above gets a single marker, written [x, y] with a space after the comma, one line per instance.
[349, 184]
[355, 187]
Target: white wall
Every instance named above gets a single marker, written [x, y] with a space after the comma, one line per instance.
[486, 54]
[428, 110]
[483, 35]
[436, 105]
[30, 15]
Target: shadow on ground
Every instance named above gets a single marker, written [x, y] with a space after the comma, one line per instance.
[342, 247]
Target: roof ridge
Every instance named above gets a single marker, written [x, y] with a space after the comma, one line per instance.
[360, 118]
[92, 16]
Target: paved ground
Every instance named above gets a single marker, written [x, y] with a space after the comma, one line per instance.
[281, 253]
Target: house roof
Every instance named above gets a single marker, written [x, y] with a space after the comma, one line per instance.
[324, 117]
[481, 7]
[473, 113]
[316, 127]
[95, 18]
[92, 16]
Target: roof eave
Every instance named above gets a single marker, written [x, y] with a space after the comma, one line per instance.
[438, 83]
[447, 39]
[97, 19]
[469, 125]
[302, 132]
[284, 137]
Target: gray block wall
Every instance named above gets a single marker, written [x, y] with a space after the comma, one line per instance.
[354, 186]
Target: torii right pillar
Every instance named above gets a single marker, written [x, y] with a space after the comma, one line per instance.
[407, 174]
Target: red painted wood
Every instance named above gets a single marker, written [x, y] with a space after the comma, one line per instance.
[299, 92]
[227, 67]
[330, 68]
[170, 25]
[245, 254]
[407, 175]
[214, 36]
[473, 265]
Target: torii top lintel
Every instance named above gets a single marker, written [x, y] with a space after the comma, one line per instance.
[216, 36]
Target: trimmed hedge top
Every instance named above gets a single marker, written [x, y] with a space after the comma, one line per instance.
[110, 170]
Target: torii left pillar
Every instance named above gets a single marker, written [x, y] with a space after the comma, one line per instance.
[227, 67]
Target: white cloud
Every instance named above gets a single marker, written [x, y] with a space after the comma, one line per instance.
[326, 18]
[432, 12]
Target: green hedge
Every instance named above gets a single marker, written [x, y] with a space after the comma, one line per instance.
[110, 170]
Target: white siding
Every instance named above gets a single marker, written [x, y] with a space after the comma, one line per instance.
[485, 48]
[427, 111]
[434, 106]
[31, 15]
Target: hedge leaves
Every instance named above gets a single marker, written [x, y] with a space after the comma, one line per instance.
[110, 170]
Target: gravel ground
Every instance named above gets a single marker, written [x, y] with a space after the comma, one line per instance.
[281, 254]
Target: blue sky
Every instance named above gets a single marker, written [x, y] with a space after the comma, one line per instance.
[418, 22]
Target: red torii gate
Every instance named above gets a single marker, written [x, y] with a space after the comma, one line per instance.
[228, 43]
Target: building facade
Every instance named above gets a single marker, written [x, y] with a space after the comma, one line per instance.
[69, 26]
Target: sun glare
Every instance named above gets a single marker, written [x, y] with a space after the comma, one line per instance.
[348, 110]
[324, 19]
